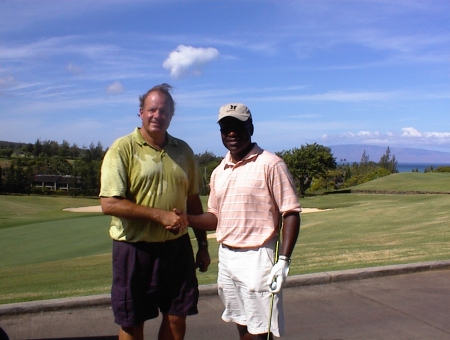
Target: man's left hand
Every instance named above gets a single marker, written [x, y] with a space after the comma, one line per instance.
[278, 275]
[203, 260]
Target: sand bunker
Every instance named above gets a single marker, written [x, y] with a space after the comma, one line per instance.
[97, 209]
[311, 210]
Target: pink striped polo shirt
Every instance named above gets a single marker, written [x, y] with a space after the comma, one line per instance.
[248, 197]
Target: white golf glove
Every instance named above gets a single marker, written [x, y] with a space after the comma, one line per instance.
[278, 275]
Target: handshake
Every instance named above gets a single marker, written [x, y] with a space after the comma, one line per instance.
[175, 221]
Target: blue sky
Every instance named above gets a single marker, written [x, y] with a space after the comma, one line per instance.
[328, 72]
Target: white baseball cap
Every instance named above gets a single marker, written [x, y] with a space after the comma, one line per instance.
[236, 110]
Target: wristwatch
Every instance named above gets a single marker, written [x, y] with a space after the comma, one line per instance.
[284, 258]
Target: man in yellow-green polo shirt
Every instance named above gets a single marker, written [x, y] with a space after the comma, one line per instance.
[149, 183]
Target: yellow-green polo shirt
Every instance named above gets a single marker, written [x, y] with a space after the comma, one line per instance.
[134, 170]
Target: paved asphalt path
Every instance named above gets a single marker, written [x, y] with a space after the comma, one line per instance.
[394, 302]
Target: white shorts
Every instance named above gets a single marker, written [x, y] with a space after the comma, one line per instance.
[242, 287]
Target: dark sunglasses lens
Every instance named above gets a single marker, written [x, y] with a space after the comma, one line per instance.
[235, 128]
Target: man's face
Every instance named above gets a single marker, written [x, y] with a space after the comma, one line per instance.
[156, 113]
[236, 135]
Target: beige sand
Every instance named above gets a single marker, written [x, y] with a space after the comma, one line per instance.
[97, 208]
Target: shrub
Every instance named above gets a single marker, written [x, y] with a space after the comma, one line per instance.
[442, 169]
[376, 174]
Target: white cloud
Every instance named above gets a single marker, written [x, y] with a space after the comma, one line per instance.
[115, 88]
[410, 132]
[408, 136]
[440, 135]
[187, 58]
[367, 134]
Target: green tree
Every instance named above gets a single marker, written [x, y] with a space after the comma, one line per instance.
[96, 152]
[64, 149]
[207, 162]
[10, 177]
[388, 162]
[442, 169]
[6, 153]
[1, 180]
[37, 148]
[89, 172]
[380, 172]
[74, 151]
[364, 158]
[27, 149]
[21, 181]
[309, 162]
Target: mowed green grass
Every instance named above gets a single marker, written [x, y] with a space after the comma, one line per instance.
[410, 181]
[20, 210]
[70, 254]
[363, 230]
[47, 252]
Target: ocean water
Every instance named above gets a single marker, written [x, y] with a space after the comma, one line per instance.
[409, 167]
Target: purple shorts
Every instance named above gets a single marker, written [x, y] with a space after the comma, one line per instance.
[149, 278]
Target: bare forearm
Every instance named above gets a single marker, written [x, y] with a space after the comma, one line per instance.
[123, 208]
[206, 221]
[126, 209]
[290, 232]
[195, 208]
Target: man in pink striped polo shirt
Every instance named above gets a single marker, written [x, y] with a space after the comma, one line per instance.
[252, 195]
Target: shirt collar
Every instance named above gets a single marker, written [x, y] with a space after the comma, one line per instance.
[141, 141]
[251, 156]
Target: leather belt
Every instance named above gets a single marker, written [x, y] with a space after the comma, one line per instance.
[238, 248]
[270, 244]
[232, 248]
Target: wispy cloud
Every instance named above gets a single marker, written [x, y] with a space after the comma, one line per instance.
[7, 82]
[337, 96]
[115, 88]
[74, 69]
[50, 47]
[407, 136]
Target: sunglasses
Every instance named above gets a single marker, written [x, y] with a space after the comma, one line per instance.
[236, 128]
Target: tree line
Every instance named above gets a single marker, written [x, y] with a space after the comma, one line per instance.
[313, 167]
[21, 162]
[50, 148]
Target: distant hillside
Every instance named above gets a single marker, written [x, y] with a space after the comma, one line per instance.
[352, 153]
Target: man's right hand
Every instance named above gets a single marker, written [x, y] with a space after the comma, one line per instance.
[175, 221]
